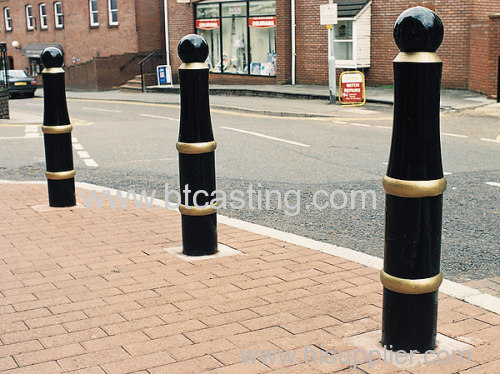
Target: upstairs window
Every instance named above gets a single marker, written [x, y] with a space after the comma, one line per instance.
[113, 12]
[58, 15]
[8, 20]
[30, 20]
[43, 17]
[94, 14]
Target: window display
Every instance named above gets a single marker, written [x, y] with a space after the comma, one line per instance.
[343, 42]
[241, 36]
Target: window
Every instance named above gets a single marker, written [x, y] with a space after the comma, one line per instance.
[30, 20]
[58, 15]
[113, 12]
[43, 17]
[343, 42]
[94, 14]
[241, 36]
[8, 20]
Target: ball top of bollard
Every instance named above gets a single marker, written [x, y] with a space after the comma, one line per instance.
[418, 29]
[52, 57]
[192, 48]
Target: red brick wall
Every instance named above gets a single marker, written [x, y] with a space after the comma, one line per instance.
[150, 30]
[181, 23]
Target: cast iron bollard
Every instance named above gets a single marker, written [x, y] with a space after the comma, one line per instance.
[196, 148]
[57, 131]
[414, 185]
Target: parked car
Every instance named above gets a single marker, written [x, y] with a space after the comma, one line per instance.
[20, 83]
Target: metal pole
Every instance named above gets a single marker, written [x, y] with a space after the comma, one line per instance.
[167, 40]
[294, 53]
[332, 74]
[196, 148]
[414, 185]
[57, 131]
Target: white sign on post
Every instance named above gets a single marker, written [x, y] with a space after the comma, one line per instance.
[328, 14]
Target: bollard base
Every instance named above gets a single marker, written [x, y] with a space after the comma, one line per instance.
[61, 193]
[199, 235]
[409, 322]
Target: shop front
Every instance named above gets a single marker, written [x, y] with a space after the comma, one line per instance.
[241, 36]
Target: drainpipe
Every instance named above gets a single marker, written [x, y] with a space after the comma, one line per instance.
[293, 41]
[167, 40]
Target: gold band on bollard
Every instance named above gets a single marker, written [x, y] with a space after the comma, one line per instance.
[404, 188]
[411, 286]
[57, 129]
[196, 148]
[193, 66]
[419, 57]
[52, 70]
[60, 175]
[194, 211]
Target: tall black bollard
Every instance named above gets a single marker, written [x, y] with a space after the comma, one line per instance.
[57, 131]
[196, 148]
[414, 185]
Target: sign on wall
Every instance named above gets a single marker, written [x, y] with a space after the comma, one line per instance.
[328, 14]
[164, 74]
[262, 22]
[352, 88]
[208, 24]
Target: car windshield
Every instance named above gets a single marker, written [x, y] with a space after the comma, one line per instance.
[17, 74]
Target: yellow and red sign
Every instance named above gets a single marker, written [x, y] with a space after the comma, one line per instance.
[352, 88]
[262, 22]
[208, 24]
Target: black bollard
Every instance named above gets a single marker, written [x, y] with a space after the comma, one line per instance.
[196, 148]
[414, 185]
[57, 131]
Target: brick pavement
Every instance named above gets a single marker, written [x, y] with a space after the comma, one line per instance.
[94, 291]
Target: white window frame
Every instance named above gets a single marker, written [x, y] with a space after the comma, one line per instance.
[43, 16]
[93, 12]
[30, 20]
[342, 62]
[8, 20]
[59, 24]
[111, 12]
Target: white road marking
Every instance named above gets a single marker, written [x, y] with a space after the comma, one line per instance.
[20, 137]
[90, 162]
[83, 154]
[77, 146]
[493, 184]
[455, 135]
[490, 140]
[159, 117]
[266, 136]
[31, 128]
[359, 124]
[102, 110]
[340, 122]
[74, 140]
[34, 104]
[447, 173]
[384, 127]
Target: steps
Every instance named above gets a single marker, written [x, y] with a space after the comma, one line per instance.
[133, 85]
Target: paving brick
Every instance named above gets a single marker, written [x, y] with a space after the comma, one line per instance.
[241, 368]
[7, 363]
[89, 323]
[310, 324]
[134, 325]
[200, 349]
[111, 309]
[225, 318]
[38, 333]
[462, 327]
[157, 345]
[269, 321]
[114, 341]
[195, 365]
[211, 333]
[255, 337]
[55, 319]
[72, 337]
[43, 368]
[50, 354]
[138, 363]
[93, 359]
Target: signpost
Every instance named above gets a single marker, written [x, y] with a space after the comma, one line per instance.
[328, 17]
[164, 74]
[352, 88]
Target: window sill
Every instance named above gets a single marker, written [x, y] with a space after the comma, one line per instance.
[114, 25]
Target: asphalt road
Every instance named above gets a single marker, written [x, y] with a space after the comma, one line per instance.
[132, 146]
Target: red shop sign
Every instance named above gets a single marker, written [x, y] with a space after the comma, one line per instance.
[207, 24]
[352, 88]
[262, 22]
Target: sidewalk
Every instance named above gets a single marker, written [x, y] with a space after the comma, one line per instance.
[102, 291]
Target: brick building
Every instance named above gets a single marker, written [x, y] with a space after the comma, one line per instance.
[102, 40]
[251, 40]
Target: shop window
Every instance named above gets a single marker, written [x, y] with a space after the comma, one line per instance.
[30, 20]
[343, 42]
[94, 13]
[58, 15]
[43, 17]
[113, 12]
[8, 20]
[241, 36]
